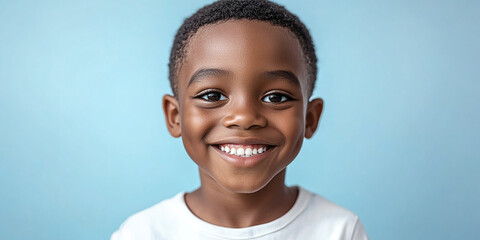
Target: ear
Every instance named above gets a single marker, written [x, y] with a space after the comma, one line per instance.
[172, 115]
[314, 111]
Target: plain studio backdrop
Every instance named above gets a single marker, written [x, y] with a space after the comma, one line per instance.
[83, 143]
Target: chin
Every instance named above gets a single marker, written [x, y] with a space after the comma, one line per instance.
[243, 185]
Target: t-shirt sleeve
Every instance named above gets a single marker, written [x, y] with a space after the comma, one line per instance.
[134, 228]
[359, 232]
[126, 234]
[116, 236]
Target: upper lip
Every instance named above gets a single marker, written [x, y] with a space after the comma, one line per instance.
[242, 141]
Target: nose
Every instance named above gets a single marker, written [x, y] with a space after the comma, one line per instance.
[244, 114]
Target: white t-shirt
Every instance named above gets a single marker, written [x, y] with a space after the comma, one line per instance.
[311, 217]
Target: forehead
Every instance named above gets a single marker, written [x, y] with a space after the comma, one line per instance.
[243, 47]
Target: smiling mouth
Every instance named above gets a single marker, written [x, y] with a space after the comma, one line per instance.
[243, 150]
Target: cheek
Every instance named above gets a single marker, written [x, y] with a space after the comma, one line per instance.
[195, 124]
[292, 125]
[295, 125]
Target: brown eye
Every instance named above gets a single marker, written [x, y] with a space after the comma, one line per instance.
[212, 96]
[276, 98]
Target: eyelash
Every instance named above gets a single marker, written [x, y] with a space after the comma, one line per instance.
[283, 97]
[204, 96]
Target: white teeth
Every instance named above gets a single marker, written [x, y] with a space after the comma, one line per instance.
[240, 151]
[248, 152]
[243, 152]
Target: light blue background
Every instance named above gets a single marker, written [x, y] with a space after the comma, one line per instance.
[83, 143]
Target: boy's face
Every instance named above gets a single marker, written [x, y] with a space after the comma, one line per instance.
[243, 86]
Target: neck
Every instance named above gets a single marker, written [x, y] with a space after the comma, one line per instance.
[219, 206]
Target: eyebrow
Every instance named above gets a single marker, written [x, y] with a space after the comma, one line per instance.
[288, 75]
[206, 72]
[216, 72]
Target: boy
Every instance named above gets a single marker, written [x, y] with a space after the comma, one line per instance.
[242, 73]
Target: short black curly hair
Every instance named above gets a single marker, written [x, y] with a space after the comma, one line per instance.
[224, 10]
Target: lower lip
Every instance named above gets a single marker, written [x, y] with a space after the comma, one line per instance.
[243, 162]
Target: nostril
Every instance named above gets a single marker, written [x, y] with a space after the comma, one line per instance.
[245, 120]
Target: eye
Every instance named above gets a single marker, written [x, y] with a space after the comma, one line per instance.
[276, 98]
[211, 96]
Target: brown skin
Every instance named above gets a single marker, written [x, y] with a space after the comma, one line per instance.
[248, 99]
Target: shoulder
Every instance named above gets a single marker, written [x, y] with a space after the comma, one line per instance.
[325, 208]
[148, 223]
[332, 218]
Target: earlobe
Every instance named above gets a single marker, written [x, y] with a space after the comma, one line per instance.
[314, 112]
[172, 115]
